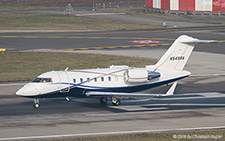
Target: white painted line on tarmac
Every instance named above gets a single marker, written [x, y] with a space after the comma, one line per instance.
[99, 14]
[136, 108]
[111, 133]
[12, 84]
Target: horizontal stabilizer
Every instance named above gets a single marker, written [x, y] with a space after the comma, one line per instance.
[207, 75]
[194, 41]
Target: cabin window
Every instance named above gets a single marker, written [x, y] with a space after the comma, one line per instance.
[42, 80]
[109, 78]
[102, 78]
[74, 80]
[95, 79]
[88, 79]
[81, 80]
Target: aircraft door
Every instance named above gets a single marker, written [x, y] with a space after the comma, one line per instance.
[64, 85]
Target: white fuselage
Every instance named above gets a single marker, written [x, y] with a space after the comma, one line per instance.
[113, 78]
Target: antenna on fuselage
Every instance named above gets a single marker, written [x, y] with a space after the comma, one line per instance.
[66, 68]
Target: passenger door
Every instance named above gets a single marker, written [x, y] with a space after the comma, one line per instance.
[64, 81]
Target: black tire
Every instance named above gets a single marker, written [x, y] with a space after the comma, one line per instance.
[103, 100]
[36, 105]
[116, 103]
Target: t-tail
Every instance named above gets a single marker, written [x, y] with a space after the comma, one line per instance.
[178, 54]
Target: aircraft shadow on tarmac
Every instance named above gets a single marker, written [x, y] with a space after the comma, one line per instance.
[176, 102]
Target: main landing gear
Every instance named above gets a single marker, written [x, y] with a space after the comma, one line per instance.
[115, 101]
[36, 103]
[103, 100]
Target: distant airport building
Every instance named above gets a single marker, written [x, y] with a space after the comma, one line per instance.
[195, 7]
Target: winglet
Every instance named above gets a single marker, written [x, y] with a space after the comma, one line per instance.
[171, 90]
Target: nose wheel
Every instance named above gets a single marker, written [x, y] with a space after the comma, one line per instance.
[36, 103]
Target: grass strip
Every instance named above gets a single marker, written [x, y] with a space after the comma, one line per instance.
[206, 135]
[40, 21]
[20, 7]
[25, 66]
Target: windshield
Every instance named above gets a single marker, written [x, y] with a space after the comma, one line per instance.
[42, 80]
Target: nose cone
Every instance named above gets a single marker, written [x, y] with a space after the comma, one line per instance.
[20, 92]
[27, 90]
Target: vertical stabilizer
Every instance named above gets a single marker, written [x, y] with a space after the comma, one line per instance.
[178, 54]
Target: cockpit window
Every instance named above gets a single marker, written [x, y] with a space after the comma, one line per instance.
[37, 80]
[42, 80]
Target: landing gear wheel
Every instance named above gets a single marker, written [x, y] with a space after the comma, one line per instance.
[116, 102]
[36, 103]
[67, 99]
[103, 100]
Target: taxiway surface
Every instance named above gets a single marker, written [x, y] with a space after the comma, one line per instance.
[86, 40]
[85, 117]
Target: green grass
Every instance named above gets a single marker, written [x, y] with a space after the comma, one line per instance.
[25, 66]
[20, 7]
[168, 136]
[38, 21]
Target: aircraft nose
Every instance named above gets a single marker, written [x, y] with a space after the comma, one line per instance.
[27, 90]
[20, 92]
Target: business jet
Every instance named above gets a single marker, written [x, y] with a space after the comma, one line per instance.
[114, 82]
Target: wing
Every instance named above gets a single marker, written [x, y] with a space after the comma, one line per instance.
[114, 94]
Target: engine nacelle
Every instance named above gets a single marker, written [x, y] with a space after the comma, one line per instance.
[139, 75]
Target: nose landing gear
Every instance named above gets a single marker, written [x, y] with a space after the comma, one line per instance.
[36, 103]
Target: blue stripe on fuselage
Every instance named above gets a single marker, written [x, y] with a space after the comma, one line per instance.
[77, 91]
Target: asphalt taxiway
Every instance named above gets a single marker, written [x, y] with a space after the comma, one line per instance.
[87, 117]
[198, 102]
[85, 40]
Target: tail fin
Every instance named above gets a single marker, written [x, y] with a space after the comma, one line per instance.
[179, 52]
